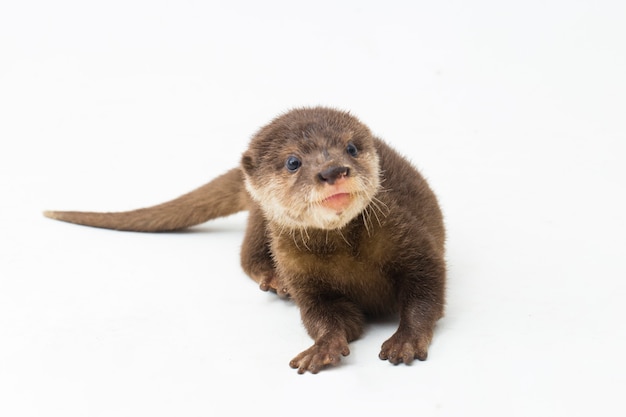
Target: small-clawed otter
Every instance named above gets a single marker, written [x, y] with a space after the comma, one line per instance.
[338, 221]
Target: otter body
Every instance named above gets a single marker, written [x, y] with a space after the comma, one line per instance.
[338, 221]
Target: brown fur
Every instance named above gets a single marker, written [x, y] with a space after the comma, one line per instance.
[353, 231]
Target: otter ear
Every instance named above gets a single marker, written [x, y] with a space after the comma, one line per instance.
[247, 163]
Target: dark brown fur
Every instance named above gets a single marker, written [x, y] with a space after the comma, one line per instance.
[353, 232]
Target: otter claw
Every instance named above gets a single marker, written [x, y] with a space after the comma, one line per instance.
[273, 284]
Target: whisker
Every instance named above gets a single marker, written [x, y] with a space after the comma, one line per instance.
[304, 236]
[343, 237]
[365, 215]
[376, 210]
[378, 202]
[293, 237]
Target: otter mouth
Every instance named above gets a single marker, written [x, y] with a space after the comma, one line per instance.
[337, 202]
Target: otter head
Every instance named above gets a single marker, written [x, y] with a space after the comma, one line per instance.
[312, 168]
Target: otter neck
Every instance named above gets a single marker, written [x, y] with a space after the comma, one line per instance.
[320, 241]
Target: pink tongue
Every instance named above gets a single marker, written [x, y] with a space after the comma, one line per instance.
[337, 201]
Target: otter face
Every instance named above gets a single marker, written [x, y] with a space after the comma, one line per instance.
[312, 168]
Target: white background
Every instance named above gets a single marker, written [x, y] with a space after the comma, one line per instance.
[514, 111]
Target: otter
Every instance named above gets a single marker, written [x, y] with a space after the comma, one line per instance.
[338, 222]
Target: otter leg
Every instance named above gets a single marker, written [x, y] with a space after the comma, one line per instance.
[332, 321]
[421, 305]
[256, 257]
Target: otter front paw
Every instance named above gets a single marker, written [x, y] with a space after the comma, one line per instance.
[271, 282]
[321, 354]
[405, 348]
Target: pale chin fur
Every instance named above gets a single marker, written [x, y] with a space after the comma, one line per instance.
[313, 215]
[324, 218]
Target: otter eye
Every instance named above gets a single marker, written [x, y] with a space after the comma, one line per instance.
[292, 164]
[352, 150]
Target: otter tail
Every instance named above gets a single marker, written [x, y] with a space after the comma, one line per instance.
[221, 197]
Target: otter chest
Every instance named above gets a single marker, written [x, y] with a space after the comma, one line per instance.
[356, 269]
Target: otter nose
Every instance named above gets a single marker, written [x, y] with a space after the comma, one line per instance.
[332, 174]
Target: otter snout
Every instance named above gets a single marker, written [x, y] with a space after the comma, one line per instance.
[332, 174]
